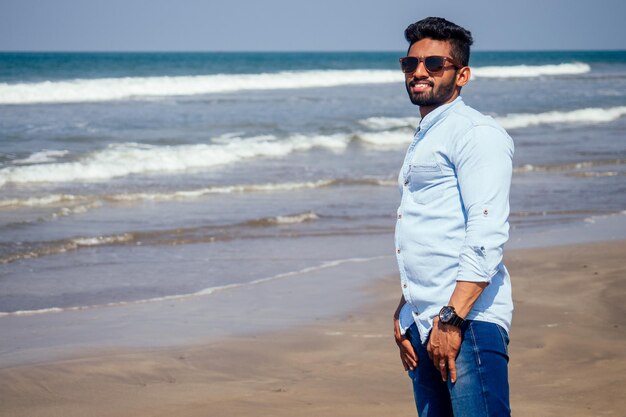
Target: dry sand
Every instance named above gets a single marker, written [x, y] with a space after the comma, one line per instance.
[568, 358]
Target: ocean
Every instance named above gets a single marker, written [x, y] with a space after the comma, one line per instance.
[142, 178]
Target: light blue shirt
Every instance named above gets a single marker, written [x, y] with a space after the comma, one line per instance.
[452, 222]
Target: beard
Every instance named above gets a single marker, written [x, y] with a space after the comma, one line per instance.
[436, 96]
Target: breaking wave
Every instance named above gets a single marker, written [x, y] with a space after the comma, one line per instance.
[123, 159]
[128, 88]
[571, 166]
[591, 115]
[581, 116]
[289, 219]
[55, 248]
[42, 157]
[529, 71]
[386, 123]
[107, 89]
[76, 203]
[178, 236]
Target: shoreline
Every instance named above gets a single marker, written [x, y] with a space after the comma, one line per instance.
[568, 357]
[280, 300]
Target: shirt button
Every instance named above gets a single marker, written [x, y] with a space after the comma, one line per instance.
[399, 216]
[403, 285]
[398, 251]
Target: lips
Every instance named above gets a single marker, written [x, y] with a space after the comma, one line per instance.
[420, 86]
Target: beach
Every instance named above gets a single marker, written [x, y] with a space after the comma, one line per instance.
[212, 233]
[567, 357]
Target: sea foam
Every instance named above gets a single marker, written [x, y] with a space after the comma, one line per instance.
[385, 123]
[529, 71]
[119, 160]
[386, 139]
[123, 159]
[75, 203]
[581, 116]
[110, 89]
[107, 89]
[41, 157]
[591, 115]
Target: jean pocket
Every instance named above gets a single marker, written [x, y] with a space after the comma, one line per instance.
[425, 182]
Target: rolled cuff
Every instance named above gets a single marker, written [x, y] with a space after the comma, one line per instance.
[474, 265]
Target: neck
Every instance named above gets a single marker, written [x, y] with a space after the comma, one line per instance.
[424, 110]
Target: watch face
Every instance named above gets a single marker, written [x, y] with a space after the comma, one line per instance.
[446, 315]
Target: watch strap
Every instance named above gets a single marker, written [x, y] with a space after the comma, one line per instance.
[456, 321]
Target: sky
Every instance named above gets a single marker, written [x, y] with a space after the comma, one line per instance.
[302, 25]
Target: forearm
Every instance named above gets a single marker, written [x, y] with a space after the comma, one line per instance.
[465, 295]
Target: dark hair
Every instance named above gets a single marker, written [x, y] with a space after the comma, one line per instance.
[440, 29]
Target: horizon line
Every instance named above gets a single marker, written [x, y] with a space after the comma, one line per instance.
[112, 51]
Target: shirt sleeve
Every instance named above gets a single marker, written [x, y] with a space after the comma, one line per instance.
[406, 318]
[484, 165]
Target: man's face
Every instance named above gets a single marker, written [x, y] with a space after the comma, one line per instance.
[426, 90]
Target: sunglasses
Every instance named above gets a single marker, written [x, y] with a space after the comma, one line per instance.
[433, 64]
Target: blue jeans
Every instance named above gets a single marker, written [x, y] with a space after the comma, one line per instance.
[482, 385]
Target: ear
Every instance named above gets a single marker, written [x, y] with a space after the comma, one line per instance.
[463, 76]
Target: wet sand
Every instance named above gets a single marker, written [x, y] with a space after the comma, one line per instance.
[568, 357]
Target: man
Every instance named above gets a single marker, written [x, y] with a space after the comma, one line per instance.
[455, 312]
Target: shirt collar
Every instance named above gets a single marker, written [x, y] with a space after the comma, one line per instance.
[434, 116]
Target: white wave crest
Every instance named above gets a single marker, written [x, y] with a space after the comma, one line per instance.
[69, 199]
[66, 246]
[102, 240]
[296, 218]
[390, 132]
[591, 115]
[386, 139]
[569, 166]
[385, 123]
[118, 160]
[48, 200]
[69, 211]
[107, 89]
[42, 156]
[227, 189]
[581, 116]
[530, 71]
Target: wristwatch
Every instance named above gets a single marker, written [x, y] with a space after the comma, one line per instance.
[447, 315]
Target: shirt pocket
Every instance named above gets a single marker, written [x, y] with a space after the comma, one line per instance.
[425, 182]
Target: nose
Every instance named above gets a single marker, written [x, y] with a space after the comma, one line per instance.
[420, 70]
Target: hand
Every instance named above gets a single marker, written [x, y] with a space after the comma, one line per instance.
[443, 348]
[407, 353]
